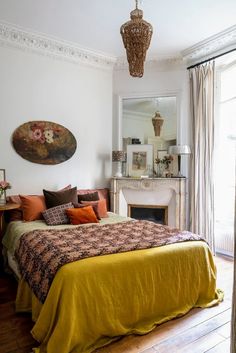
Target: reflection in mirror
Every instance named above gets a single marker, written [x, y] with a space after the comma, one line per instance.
[150, 121]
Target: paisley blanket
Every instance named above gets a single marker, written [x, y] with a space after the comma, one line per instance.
[42, 252]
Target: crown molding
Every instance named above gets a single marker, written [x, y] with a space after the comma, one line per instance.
[161, 62]
[16, 37]
[214, 45]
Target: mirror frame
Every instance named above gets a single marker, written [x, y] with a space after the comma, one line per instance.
[121, 97]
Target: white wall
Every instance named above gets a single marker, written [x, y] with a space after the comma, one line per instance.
[36, 87]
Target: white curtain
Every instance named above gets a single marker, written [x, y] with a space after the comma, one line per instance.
[202, 115]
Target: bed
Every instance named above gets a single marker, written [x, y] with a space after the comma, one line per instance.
[93, 301]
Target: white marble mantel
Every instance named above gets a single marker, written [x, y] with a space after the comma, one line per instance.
[151, 191]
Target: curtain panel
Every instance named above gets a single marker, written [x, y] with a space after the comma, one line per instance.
[202, 114]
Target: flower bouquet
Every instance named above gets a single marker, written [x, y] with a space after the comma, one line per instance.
[164, 163]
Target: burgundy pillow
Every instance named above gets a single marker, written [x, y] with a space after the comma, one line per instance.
[56, 198]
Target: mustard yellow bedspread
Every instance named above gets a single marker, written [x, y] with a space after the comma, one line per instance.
[92, 301]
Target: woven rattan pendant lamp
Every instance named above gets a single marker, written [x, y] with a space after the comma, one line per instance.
[136, 35]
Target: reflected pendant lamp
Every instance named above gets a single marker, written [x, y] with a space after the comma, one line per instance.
[136, 35]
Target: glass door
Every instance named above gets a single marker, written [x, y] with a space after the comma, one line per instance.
[225, 156]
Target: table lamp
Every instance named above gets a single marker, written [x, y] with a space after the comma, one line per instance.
[179, 150]
[118, 156]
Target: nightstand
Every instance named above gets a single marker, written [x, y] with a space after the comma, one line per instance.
[3, 208]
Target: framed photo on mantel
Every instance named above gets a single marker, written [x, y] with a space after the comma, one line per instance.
[139, 159]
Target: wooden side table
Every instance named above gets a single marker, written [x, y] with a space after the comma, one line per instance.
[3, 208]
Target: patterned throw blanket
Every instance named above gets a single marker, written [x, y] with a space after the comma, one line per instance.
[42, 252]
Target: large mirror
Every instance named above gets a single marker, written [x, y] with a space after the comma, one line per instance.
[150, 120]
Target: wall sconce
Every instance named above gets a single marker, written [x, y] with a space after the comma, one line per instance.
[179, 150]
[119, 157]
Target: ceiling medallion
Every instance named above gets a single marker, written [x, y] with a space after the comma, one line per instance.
[136, 35]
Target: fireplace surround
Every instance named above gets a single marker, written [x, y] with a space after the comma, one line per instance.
[151, 192]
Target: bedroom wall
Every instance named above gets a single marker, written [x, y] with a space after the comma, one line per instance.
[79, 97]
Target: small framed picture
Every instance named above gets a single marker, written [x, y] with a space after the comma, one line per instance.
[2, 175]
[139, 159]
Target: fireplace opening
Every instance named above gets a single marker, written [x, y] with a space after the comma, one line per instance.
[157, 214]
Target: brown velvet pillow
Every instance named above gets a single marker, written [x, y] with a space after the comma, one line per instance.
[81, 215]
[91, 196]
[56, 198]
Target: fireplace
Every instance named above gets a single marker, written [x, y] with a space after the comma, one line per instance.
[148, 193]
[154, 213]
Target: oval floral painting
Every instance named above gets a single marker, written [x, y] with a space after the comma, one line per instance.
[44, 142]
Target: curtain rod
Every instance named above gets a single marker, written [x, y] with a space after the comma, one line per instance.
[214, 57]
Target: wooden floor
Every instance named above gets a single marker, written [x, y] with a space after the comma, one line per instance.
[201, 330]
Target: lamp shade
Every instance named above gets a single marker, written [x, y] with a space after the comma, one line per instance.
[118, 156]
[179, 149]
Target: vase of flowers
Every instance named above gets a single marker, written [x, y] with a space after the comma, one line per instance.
[4, 185]
[163, 166]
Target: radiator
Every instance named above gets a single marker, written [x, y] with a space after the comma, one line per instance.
[224, 242]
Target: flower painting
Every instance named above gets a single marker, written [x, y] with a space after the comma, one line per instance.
[44, 142]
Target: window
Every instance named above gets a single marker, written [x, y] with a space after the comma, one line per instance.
[225, 155]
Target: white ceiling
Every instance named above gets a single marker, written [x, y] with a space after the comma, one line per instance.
[95, 24]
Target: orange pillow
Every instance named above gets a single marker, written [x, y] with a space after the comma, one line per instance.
[32, 207]
[82, 215]
[102, 207]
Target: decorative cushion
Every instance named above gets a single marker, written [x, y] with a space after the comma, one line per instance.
[32, 207]
[17, 215]
[91, 196]
[102, 207]
[56, 198]
[95, 208]
[57, 215]
[81, 215]
[102, 194]
[14, 215]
